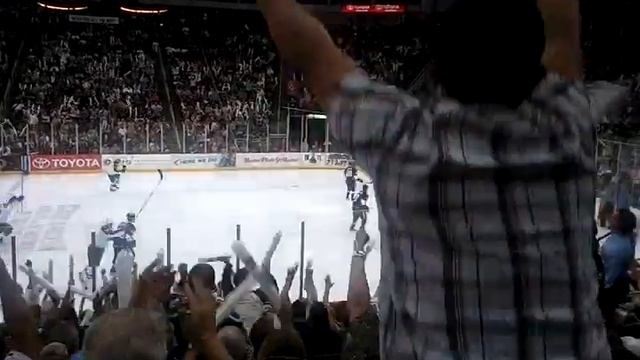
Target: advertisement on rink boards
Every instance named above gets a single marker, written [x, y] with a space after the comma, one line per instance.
[270, 160]
[326, 160]
[204, 160]
[171, 161]
[47, 163]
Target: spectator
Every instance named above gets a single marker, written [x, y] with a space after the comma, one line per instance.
[127, 334]
[506, 106]
[617, 254]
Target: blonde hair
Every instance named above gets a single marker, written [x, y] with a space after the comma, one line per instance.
[127, 334]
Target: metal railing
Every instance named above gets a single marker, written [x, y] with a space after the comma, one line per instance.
[617, 156]
[141, 136]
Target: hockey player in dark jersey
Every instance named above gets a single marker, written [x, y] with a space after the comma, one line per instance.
[350, 174]
[360, 208]
[123, 236]
[114, 174]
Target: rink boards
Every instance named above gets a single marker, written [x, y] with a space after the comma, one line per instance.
[43, 163]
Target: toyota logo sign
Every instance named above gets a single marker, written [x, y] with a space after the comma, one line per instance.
[41, 163]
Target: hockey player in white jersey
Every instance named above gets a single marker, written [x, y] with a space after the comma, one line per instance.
[6, 212]
[114, 174]
[106, 233]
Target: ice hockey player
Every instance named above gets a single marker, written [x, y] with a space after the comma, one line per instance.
[114, 174]
[106, 233]
[360, 208]
[123, 236]
[350, 174]
[6, 210]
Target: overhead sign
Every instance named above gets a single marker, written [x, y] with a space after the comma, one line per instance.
[374, 9]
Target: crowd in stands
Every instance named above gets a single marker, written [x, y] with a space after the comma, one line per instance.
[392, 53]
[193, 314]
[225, 74]
[82, 77]
[10, 17]
[224, 85]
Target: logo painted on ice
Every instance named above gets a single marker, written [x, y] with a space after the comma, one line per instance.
[43, 229]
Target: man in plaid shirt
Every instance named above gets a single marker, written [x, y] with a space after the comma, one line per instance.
[486, 198]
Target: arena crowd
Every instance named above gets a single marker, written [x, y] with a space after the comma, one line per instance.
[250, 324]
[208, 82]
[86, 88]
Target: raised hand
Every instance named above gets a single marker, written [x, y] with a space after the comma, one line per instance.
[362, 239]
[292, 271]
[277, 237]
[309, 268]
[328, 283]
[154, 285]
[203, 307]
[201, 324]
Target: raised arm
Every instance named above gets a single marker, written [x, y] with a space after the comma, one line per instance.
[202, 327]
[358, 296]
[285, 303]
[266, 262]
[562, 53]
[227, 276]
[21, 325]
[328, 284]
[304, 43]
[286, 288]
[310, 285]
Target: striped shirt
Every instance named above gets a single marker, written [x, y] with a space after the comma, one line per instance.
[485, 217]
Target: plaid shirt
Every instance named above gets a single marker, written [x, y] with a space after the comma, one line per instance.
[486, 216]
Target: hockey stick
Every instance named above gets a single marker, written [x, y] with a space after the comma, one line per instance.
[146, 201]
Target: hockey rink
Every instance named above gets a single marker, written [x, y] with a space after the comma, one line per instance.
[202, 209]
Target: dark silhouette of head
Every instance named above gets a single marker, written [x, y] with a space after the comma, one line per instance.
[299, 310]
[321, 340]
[235, 341]
[205, 273]
[260, 330]
[282, 344]
[624, 221]
[490, 51]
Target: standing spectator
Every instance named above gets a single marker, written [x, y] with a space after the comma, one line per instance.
[617, 254]
[484, 208]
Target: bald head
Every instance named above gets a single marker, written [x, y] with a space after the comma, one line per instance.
[127, 334]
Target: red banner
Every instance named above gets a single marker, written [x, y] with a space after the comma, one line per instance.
[374, 9]
[90, 162]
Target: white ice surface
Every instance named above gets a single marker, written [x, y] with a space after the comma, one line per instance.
[202, 210]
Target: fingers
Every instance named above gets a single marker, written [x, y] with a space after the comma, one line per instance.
[150, 267]
[195, 292]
